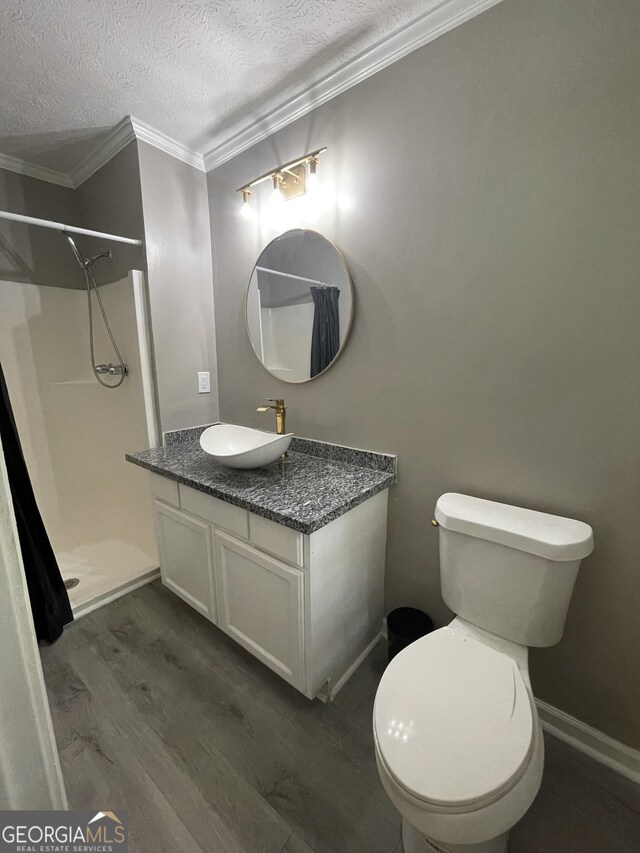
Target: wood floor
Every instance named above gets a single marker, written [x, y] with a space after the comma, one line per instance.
[157, 712]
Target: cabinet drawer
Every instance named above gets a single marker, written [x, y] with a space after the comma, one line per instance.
[165, 489]
[219, 513]
[276, 539]
[261, 605]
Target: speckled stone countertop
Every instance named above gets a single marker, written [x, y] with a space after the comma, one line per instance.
[317, 483]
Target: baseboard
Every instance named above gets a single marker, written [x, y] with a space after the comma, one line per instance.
[329, 691]
[118, 592]
[604, 749]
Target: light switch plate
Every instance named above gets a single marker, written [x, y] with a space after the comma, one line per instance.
[204, 382]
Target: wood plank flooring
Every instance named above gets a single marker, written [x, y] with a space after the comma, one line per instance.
[158, 712]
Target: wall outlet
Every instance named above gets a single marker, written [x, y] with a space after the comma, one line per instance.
[204, 382]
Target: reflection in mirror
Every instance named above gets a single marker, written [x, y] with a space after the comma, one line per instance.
[299, 305]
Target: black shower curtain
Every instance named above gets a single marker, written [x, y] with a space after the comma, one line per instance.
[49, 600]
[325, 338]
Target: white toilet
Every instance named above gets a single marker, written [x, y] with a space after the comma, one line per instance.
[458, 741]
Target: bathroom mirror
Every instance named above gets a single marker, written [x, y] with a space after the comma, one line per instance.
[299, 306]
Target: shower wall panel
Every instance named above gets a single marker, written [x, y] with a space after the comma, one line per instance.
[75, 432]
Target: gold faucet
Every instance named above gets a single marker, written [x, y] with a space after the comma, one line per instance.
[281, 412]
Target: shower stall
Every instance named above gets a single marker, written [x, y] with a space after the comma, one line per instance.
[60, 347]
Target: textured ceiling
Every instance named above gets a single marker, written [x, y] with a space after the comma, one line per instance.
[71, 69]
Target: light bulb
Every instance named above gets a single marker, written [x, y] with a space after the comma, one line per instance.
[277, 198]
[246, 211]
[313, 181]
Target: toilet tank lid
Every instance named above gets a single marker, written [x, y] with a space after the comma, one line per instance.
[550, 536]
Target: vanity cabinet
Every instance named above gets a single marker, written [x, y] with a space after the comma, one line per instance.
[310, 607]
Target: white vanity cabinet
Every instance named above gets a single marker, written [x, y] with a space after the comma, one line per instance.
[310, 607]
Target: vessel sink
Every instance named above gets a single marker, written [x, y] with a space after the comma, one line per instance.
[242, 447]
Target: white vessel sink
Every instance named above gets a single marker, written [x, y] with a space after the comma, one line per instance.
[242, 447]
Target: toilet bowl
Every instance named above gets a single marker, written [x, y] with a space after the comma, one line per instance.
[458, 741]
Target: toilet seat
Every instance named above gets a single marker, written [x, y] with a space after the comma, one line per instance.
[453, 722]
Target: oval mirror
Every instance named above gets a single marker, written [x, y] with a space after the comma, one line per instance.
[299, 306]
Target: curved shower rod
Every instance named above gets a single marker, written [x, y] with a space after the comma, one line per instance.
[69, 229]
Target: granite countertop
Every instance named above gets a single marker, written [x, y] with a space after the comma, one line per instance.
[317, 483]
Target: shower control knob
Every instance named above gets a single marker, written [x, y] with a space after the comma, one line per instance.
[112, 369]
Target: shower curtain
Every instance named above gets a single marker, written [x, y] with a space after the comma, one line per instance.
[49, 600]
[325, 337]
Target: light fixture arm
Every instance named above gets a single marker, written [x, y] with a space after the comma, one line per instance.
[311, 157]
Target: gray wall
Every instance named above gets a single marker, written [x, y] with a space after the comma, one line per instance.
[493, 241]
[143, 192]
[111, 201]
[176, 221]
[37, 255]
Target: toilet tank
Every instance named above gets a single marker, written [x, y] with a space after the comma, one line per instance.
[507, 569]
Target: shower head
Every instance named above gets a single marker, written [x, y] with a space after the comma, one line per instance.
[74, 249]
[89, 262]
[86, 263]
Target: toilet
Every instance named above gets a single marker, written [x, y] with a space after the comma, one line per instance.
[458, 740]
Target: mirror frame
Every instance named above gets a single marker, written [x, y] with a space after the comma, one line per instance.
[351, 312]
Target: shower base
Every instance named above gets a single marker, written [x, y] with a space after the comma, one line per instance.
[105, 571]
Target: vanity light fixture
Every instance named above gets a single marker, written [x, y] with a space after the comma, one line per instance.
[289, 180]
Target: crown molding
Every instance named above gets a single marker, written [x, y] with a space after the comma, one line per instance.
[117, 139]
[123, 133]
[146, 133]
[32, 170]
[226, 145]
[432, 25]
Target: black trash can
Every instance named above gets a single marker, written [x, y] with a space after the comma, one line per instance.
[404, 626]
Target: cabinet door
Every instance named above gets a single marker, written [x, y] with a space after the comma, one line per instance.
[261, 604]
[184, 545]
